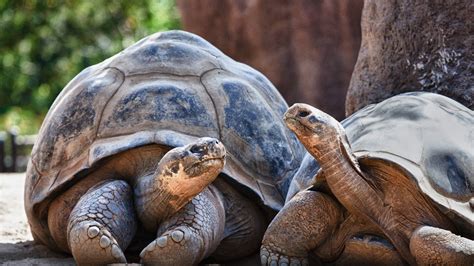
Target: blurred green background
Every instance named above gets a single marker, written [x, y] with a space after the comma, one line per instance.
[45, 43]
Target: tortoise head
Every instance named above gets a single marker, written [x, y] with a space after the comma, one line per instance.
[203, 157]
[317, 130]
[181, 174]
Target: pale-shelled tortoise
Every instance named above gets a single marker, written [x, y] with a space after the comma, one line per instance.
[396, 186]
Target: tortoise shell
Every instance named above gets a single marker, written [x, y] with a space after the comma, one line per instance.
[169, 88]
[431, 137]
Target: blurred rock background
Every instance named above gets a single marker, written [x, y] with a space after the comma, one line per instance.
[414, 46]
[306, 48]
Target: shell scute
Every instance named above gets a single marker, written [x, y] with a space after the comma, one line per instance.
[75, 120]
[247, 116]
[430, 137]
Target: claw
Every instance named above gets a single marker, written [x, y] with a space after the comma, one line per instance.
[117, 253]
[274, 258]
[177, 236]
[104, 242]
[162, 241]
[93, 231]
[86, 237]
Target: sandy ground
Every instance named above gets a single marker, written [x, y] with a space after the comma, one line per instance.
[16, 245]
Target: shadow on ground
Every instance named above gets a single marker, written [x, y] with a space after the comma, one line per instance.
[29, 253]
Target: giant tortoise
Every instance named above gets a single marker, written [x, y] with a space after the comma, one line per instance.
[125, 137]
[396, 186]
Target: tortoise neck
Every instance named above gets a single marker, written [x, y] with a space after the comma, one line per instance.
[346, 181]
[357, 193]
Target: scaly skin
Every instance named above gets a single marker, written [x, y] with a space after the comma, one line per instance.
[357, 195]
[304, 223]
[128, 166]
[102, 224]
[190, 235]
[197, 231]
[245, 224]
[435, 246]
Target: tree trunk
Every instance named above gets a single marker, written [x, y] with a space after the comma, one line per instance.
[307, 48]
[414, 46]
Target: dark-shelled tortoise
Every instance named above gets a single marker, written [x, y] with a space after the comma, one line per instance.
[399, 189]
[97, 158]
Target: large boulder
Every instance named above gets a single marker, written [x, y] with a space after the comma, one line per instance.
[306, 48]
[414, 46]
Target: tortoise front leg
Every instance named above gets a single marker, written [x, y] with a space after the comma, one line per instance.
[190, 235]
[102, 224]
[435, 246]
[245, 224]
[303, 224]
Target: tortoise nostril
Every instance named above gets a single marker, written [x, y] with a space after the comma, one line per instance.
[196, 149]
[303, 113]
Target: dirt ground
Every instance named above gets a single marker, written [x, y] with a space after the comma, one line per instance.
[16, 245]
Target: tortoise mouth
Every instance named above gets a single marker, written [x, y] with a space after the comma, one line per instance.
[208, 162]
[296, 125]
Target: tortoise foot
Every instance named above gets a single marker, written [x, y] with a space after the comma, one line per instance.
[269, 256]
[179, 246]
[190, 235]
[102, 224]
[305, 221]
[92, 243]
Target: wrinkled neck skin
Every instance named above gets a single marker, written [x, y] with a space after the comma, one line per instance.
[345, 179]
[156, 199]
[353, 190]
[165, 192]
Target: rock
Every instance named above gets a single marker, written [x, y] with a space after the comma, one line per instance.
[306, 48]
[414, 46]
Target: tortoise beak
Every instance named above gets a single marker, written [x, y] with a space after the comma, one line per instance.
[209, 148]
[295, 115]
[298, 111]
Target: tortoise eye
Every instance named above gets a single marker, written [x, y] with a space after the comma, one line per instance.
[196, 149]
[312, 119]
[303, 113]
[175, 169]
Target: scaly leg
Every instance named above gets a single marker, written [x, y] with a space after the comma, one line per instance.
[303, 224]
[245, 225]
[102, 224]
[435, 246]
[190, 235]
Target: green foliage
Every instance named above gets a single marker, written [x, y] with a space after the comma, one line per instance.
[45, 43]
